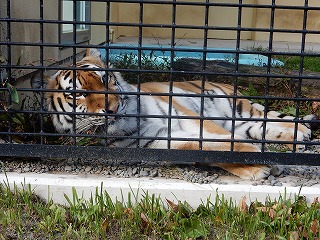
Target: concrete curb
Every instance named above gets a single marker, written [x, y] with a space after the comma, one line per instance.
[56, 185]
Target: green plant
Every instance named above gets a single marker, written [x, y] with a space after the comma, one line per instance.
[26, 120]
[251, 91]
[148, 62]
[258, 48]
[9, 93]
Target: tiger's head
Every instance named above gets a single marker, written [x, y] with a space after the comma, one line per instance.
[93, 90]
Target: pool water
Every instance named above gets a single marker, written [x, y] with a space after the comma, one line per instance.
[154, 53]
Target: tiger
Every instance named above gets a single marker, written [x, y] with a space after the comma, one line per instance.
[106, 95]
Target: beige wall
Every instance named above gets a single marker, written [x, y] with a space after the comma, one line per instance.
[228, 17]
[185, 15]
[98, 13]
[220, 17]
[288, 19]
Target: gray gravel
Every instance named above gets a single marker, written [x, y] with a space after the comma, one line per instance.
[291, 176]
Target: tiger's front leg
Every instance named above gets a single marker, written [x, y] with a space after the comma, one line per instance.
[277, 131]
[244, 171]
[272, 130]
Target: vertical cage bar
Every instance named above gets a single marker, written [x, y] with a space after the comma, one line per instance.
[41, 72]
[8, 69]
[172, 53]
[266, 99]
[301, 63]
[74, 61]
[107, 49]
[204, 63]
[139, 67]
[235, 82]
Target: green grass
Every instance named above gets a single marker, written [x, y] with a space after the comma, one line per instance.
[310, 63]
[23, 215]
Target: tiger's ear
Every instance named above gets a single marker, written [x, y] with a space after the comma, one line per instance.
[92, 52]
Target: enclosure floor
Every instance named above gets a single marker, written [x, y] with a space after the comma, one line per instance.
[220, 43]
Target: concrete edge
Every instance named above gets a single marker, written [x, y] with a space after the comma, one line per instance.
[54, 186]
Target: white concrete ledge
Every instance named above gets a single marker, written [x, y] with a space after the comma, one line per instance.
[56, 185]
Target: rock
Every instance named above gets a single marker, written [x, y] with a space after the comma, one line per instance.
[153, 173]
[271, 177]
[143, 173]
[134, 171]
[277, 184]
[68, 168]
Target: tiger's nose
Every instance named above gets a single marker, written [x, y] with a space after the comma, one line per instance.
[108, 111]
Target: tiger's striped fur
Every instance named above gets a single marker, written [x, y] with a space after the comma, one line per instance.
[122, 107]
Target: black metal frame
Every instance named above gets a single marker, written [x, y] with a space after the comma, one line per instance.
[41, 149]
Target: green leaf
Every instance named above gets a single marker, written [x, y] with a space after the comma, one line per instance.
[19, 119]
[262, 236]
[192, 228]
[3, 117]
[2, 59]
[13, 93]
[252, 90]
[300, 206]
[2, 216]
[19, 61]
[290, 111]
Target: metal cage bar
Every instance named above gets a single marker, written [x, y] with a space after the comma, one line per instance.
[40, 146]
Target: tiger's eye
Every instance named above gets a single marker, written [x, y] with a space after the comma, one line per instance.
[82, 94]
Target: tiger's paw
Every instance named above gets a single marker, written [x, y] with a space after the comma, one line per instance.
[248, 172]
[304, 133]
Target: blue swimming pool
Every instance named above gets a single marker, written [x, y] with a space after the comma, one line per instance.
[155, 54]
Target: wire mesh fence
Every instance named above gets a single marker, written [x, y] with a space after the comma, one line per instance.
[207, 61]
